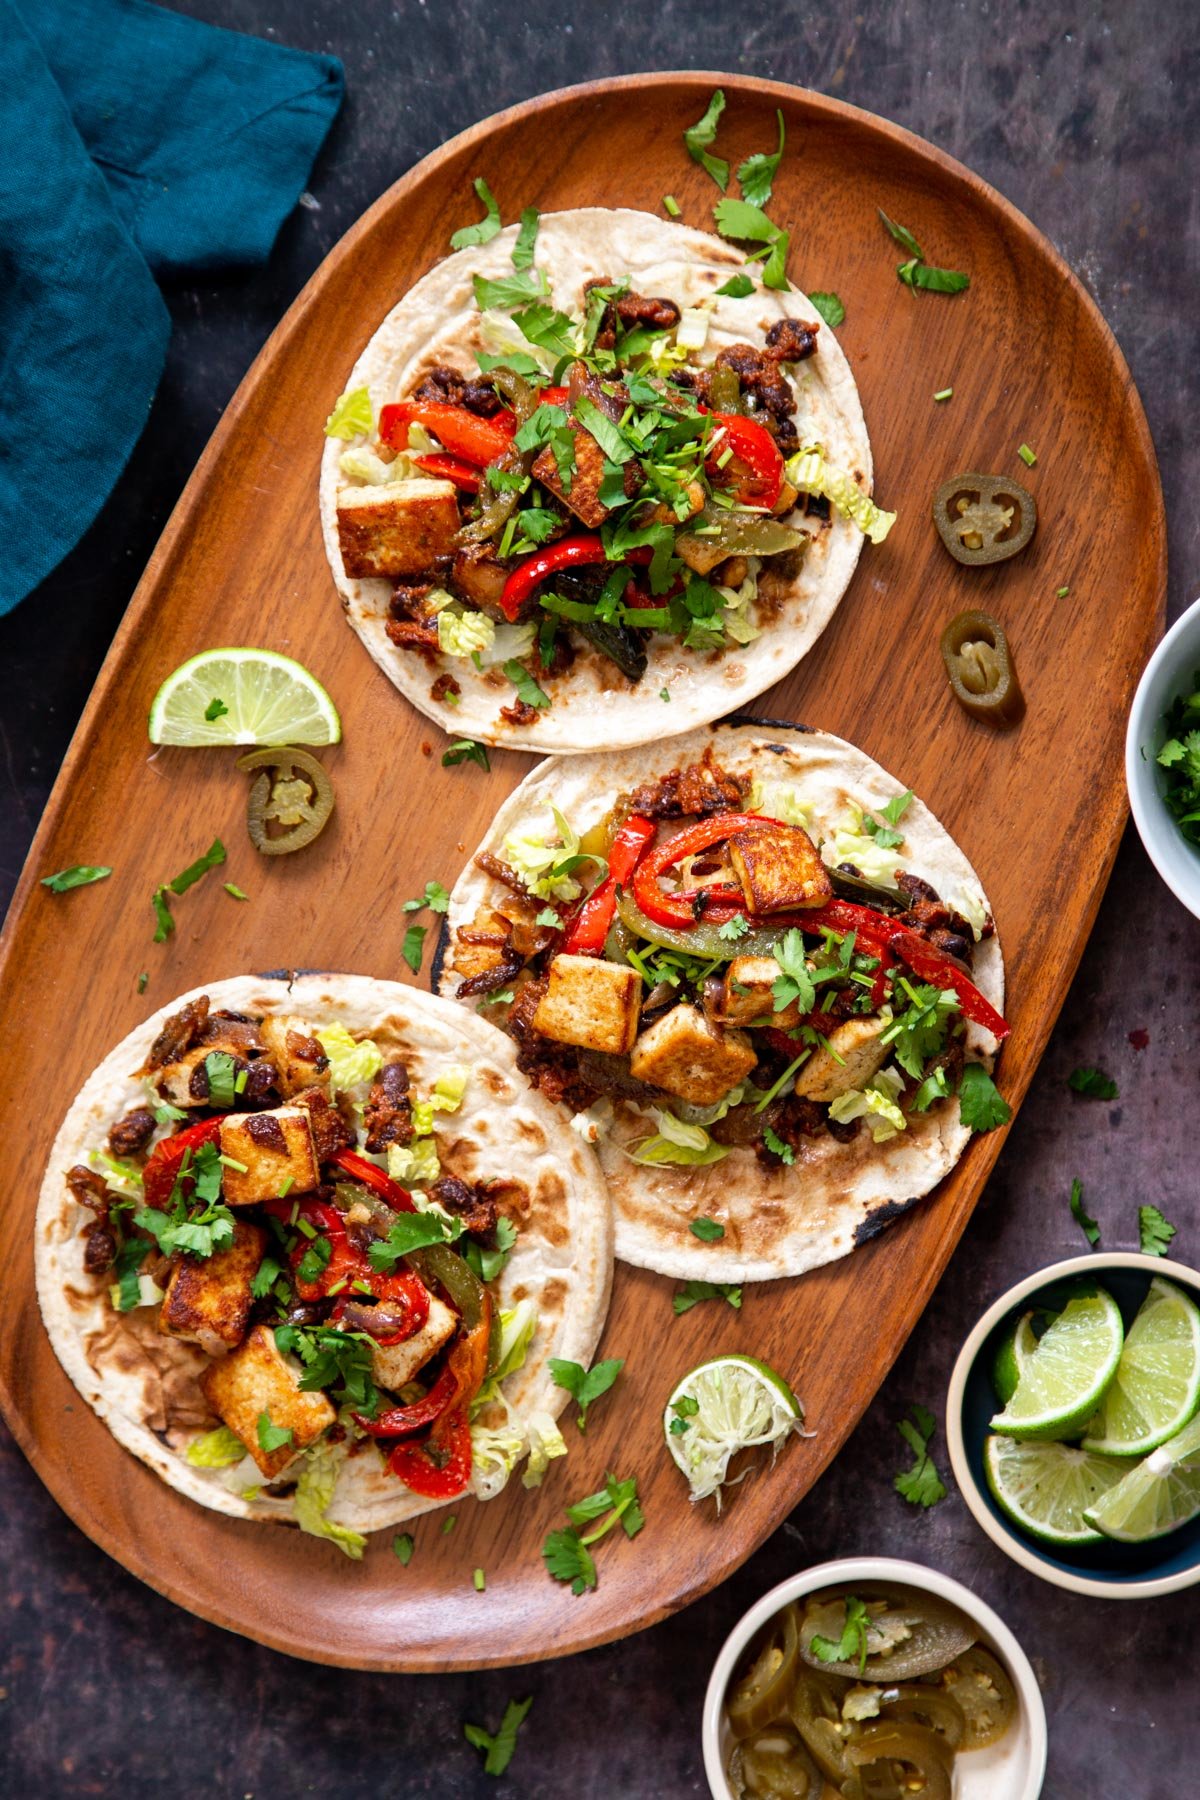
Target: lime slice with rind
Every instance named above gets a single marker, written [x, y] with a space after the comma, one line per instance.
[1063, 1381]
[267, 699]
[1047, 1488]
[1156, 1388]
[1157, 1495]
[724, 1405]
[1012, 1357]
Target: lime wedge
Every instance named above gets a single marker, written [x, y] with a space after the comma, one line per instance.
[724, 1405]
[1061, 1384]
[1155, 1496]
[1012, 1357]
[254, 697]
[1156, 1388]
[1046, 1489]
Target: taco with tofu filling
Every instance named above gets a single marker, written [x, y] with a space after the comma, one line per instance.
[759, 975]
[308, 1248]
[572, 471]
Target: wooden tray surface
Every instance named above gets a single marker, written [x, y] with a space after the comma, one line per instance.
[1039, 812]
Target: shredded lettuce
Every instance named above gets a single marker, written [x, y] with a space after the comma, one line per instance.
[970, 902]
[509, 643]
[215, 1449]
[776, 800]
[517, 1327]
[449, 1088]
[545, 1443]
[809, 471]
[500, 337]
[119, 1175]
[149, 1294]
[739, 626]
[414, 1164]
[311, 1501]
[495, 1452]
[708, 1115]
[533, 857]
[353, 416]
[676, 1142]
[464, 633]
[692, 330]
[350, 1062]
[852, 843]
[876, 1102]
[361, 464]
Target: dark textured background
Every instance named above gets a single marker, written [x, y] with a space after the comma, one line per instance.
[1086, 117]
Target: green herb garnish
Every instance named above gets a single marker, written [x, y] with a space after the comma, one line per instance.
[413, 947]
[465, 750]
[1093, 1084]
[272, 1437]
[707, 1230]
[852, 1645]
[916, 273]
[499, 1749]
[921, 1485]
[693, 1292]
[527, 688]
[488, 226]
[1154, 1232]
[585, 1385]
[80, 875]
[567, 1554]
[757, 173]
[1083, 1219]
[980, 1102]
[829, 307]
[698, 137]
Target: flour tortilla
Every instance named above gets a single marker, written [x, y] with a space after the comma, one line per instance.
[777, 1221]
[438, 322]
[144, 1385]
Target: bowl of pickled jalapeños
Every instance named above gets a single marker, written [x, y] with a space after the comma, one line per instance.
[979, 663]
[873, 1679]
[984, 519]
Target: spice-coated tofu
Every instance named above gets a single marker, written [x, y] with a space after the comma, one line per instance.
[208, 1301]
[276, 1148]
[297, 1055]
[744, 995]
[856, 1041]
[591, 1003]
[476, 958]
[254, 1379]
[685, 1054]
[403, 528]
[583, 497]
[394, 1364]
[779, 867]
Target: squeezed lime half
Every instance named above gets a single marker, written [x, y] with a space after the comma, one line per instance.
[724, 1405]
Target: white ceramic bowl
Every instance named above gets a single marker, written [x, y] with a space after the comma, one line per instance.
[1168, 674]
[1013, 1769]
[1116, 1572]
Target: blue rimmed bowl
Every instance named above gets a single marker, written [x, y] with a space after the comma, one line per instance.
[1110, 1571]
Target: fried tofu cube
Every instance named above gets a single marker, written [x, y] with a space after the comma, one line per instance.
[779, 867]
[686, 1054]
[583, 496]
[394, 1364]
[856, 1041]
[481, 945]
[297, 1055]
[254, 1379]
[274, 1148]
[591, 1003]
[208, 1301]
[745, 995]
[403, 528]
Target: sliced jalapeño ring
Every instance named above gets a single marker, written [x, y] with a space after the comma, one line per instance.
[984, 518]
[290, 801]
[983, 676]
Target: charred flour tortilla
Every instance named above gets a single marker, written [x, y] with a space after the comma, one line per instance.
[145, 1386]
[438, 324]
[778, 1219]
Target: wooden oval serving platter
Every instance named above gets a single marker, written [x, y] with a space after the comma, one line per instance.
[1039, 812]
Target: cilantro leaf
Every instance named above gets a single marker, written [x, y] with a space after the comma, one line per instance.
[546, 327]
[80, 875]
[488, 226]
[707, 1230]
[411, 1231]
[734, 928]
[509, 291]
[795, 981]
[499, 1749]
[335, 1361]
[413, 947]
[1093, 1084]
[214, 855]
[919, 1031]
[487, 1263]
[921, 1485]
[1082, 1218]
[234, 891]
[315, 1261]
[527, 688]
[693, 1292]
[269, 1271]
[162, 912]
[903, 236]
[738, 287]
[1154, 1232]
[829, 307]
[934, 1087]
[126, 1265]
[465, 750]
[852, 1645]
[776, 1145]
[933, 281]
[402, 1547]
[980, 1102]
[526, 243]
[436, 898]
[757, 173]
[215, 709]
[585, 1385]
[567, 1558]
[896, 807]
[220, 1071]
[699, 136]
[272, 1437]
[607, 434]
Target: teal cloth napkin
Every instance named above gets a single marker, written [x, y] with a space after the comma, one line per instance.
[136, 143]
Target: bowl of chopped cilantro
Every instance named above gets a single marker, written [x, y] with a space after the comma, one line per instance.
[1162, 759]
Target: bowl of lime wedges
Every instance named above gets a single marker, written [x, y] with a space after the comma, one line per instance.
[1073, 1424]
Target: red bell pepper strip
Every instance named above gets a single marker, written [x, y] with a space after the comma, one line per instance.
[589, 928]
[568, 553]
[440, 1467]
[872, 930]
[401, 1289]
[399, 1421]
[451, 468]
[164, 1162]
[462, 433]
[756, 451]
[940, 970]
[368, 1175]
[678, 910]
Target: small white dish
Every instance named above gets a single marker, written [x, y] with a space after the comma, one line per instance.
[1012, 1769]
[1169, 673]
